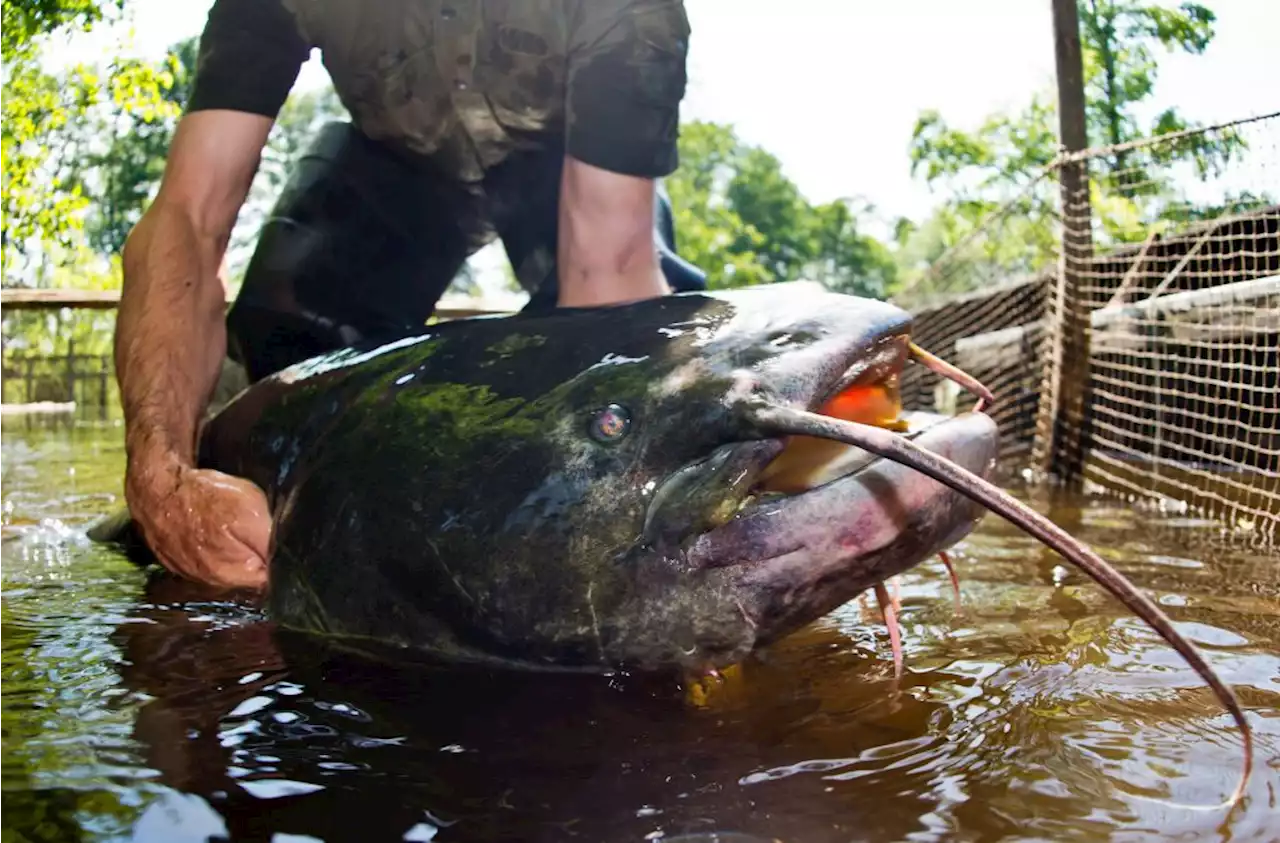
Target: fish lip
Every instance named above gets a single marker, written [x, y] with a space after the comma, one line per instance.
[742, 541]
[887, 356]
[825, 546]
[883, 356]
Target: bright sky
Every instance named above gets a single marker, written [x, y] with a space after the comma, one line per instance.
[833, 87]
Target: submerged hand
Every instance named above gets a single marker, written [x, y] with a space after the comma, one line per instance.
[203, 525]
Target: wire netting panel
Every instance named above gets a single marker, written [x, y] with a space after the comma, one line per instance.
[1185, 400]
[996, 337]
[982, 305]
[1156, 227]
[1138, 325]
[1179, 287]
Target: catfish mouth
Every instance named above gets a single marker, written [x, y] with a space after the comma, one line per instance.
[770, 479]
[868, 393]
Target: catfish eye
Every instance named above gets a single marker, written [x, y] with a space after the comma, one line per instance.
[610, 425]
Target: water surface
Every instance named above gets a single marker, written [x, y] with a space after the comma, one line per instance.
[135, 708]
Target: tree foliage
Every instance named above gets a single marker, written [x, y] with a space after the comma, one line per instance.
[120, 173]
[1002, 163]
[51, 127]
[85, 150]
[743, 221]
[51, 122]
[26, 21]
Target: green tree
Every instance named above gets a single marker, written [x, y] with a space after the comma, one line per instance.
[49, 128]
[744, 222]
[1120, 71]
[1001, 165]
[709, 232]
[26, 21]
[48, 122]
[119, 178]
[844, 259]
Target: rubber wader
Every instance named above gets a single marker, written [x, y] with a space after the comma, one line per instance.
[363, 241]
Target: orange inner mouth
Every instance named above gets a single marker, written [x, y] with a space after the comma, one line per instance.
[809, 461]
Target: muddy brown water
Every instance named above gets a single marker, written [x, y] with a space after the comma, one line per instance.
[133, 709]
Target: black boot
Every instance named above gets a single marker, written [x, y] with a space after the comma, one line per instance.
[359, 247]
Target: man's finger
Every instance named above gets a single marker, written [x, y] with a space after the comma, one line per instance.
[234, 564]
[254, 531]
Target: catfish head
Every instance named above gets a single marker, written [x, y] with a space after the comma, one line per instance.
[592, 489]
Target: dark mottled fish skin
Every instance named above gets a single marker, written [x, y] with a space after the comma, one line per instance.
[443, 493]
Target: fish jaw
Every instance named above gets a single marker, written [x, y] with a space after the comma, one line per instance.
[785, 560]
[769, 533]
[793, 558]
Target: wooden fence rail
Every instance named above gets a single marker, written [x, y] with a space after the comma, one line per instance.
[30, 298]
[73, 377]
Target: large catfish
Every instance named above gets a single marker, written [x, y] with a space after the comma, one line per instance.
[667, 483]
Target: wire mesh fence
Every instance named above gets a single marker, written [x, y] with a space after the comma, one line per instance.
[1186, 401]
[1144, 332]
[996, 336]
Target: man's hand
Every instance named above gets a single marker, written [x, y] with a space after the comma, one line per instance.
[202, 525]
[607, 253]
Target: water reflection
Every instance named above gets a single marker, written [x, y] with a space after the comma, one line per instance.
[803, 746]
[138, 707]
[340, 747]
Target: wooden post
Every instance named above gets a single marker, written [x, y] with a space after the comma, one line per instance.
[1060, 434]
[104, 387]
[71, 370]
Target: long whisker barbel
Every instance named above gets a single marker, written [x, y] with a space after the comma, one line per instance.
[773, 420]
[951, 372]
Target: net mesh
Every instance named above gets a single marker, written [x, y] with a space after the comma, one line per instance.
[1144, 332]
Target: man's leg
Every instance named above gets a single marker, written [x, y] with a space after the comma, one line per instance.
[525, 196]
[360, 245]
[683, 276]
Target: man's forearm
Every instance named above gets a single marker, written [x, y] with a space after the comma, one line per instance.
[584, 283]
[170, 334]
[607, 252]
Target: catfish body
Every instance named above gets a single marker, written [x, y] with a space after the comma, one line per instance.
[576, 490]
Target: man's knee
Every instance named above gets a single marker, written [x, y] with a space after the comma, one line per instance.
[359, 244]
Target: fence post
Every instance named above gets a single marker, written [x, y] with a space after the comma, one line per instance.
[71, 370]
[104, 387]
[1059, 441]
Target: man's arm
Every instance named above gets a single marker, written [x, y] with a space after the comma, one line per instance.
[170, 335]
[607, 253]
[626, 80]
[169, 345]
[170, 329]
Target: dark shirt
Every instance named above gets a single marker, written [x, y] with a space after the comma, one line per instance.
[466, 82]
